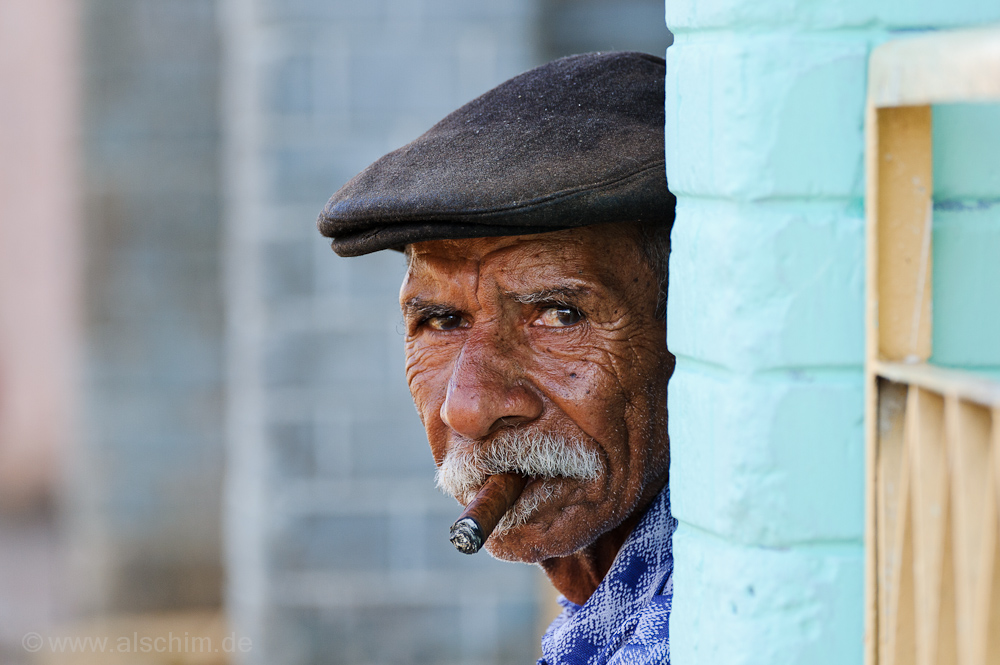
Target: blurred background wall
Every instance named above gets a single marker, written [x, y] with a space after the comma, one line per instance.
[39, 303]
[174, 332]
[337, 550]
[145, 483]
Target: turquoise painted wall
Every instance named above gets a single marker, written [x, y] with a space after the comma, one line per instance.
[764, 142]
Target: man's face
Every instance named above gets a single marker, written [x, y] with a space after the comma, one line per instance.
[548, 334]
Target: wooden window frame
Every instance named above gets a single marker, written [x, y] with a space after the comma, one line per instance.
[933, 434]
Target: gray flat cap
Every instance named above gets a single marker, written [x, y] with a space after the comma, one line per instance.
[575, 142]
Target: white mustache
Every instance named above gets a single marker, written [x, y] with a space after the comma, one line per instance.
[466, 467]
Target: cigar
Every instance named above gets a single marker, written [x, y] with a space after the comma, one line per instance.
[483, 513]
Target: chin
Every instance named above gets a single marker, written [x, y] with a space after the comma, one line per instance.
[533, 542]
[510, 549]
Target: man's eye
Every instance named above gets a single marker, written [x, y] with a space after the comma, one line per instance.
[561, 316]
[445, 322]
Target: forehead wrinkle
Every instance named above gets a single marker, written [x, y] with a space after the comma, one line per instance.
[528, 268]
[440, 281]
[540, 268]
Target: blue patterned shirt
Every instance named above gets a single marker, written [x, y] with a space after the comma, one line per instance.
[625, 621]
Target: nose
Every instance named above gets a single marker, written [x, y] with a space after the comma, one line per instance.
[487, 391]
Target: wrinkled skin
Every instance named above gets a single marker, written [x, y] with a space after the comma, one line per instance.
[588, 360]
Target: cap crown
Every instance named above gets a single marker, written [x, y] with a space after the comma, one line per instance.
[577, 141]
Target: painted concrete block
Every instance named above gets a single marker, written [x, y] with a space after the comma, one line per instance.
[684, 15]
[966, 286]
[152, 316]
[291, 451]
[930, 14]
[372, 634]
[966, 235]
[290, 85]
[756, 606]
[809, 14]
[773, 459]
[758, 286]
[287, 269]
[299, 175]
[966, 145]
[340, 542]
[288, 11]
[373, 276]
[308, 359]
[765, 116]
[396, 447]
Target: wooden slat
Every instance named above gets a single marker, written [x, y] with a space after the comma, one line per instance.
[899, 626]
[989, 636]
[984, 647]
[931, 544]
[985, 636]
[936, 68]
[874, 509]
[875, 634]
[872, 268]
[890, 500]
[965, 385]
[967, 431]
[902, 219]
[988, 606]
[947, 645]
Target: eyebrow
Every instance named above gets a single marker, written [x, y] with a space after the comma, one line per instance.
[418, 307]
[559, 294]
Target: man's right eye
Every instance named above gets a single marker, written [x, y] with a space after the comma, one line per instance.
[444, 322]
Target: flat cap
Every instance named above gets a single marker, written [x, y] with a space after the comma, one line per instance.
[577, 141]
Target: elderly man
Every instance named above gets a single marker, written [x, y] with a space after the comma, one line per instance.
[535, 222]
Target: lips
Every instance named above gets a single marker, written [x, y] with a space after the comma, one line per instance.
[536, 494]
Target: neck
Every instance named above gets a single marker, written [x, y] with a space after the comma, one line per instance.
[578, 575]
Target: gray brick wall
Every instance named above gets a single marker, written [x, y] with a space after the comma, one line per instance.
[580, 26]
[337, 545]
[145, 484]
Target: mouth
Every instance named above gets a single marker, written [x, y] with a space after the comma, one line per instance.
[538, 493]
[533, 486]
[540, 485]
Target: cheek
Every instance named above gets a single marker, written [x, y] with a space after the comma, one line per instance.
[427, 374]
[589, 395]
[584, 381]
[645, 417]
[425, 367]
[614, 392]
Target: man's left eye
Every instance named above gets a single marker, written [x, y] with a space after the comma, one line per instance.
[561, 316]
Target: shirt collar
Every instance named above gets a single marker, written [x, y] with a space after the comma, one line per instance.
[641, 570]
